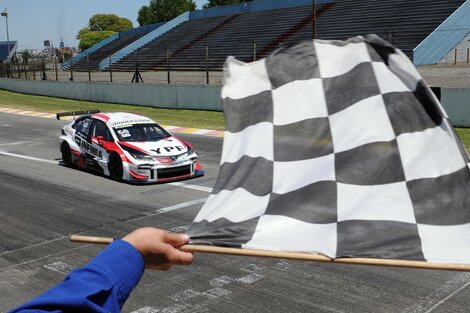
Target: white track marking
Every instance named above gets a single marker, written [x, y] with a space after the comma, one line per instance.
[146, 309]
[180, 206]
[191, 300]
[441, 295]
[59, 267]
[16, 143]
[44, 257]
[189, 186]
[156, 212]
[32, 246]
[28, 158]
[169, 209]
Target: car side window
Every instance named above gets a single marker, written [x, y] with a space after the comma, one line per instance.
[82, 125]
[99, 129]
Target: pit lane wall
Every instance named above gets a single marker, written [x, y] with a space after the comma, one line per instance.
[456, 101]
[197, 97]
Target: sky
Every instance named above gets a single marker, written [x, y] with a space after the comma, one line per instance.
[30, 22]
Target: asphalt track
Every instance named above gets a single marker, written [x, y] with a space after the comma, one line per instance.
[42, 203]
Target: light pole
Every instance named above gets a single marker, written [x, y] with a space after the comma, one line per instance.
[5, 13]
[314, 19]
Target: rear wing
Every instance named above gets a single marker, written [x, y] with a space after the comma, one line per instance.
[75, 113]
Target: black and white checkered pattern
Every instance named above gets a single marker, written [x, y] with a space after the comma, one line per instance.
[338, 148]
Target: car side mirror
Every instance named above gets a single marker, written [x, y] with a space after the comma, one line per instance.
[98, 140]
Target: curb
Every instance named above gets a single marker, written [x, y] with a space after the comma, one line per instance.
[172, 129]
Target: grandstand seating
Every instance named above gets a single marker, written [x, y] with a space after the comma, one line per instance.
[104, 52]
[7, 49]
[405, 23]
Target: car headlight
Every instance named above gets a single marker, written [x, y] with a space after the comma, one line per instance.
[190, 150]
[141, 156]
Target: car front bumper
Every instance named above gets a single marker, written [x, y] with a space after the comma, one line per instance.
[158, 173]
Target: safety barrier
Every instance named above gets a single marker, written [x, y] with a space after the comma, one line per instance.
[197, 97]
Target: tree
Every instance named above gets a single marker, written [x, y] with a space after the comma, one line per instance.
[89, 39]
[219, 3]
[112, 22]
[25, 55]
[163, 10]
[100, 27]
[83, 31]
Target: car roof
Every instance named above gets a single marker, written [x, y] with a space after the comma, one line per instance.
[122, 118]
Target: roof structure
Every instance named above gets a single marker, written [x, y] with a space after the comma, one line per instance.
[7, 48]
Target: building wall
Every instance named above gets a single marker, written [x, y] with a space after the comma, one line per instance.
[456, 102]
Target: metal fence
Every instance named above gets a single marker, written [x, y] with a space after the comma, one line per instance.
[41, 69]
[452, 72]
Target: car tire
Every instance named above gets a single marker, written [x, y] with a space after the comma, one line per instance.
[115, 167]
[66, 154]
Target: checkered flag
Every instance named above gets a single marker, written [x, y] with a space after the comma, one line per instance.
[338, 148]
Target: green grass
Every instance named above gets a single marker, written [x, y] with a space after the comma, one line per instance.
[185, 118]
[464, 134]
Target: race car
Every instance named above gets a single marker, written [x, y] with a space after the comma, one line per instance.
[126, 146]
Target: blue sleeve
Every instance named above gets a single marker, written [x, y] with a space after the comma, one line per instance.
[101, 286]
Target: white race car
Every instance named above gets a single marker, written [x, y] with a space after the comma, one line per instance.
[126, 146]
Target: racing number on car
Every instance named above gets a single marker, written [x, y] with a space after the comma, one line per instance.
[168, 149]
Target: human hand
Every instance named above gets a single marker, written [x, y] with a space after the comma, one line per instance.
[160, 248]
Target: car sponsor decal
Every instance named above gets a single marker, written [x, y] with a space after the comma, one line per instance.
[168, 149]
[90, 149]
[130, 122]
[79, 137]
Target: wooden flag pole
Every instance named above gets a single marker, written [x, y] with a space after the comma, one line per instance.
[259, 253]
[406, 263]
[298, 256]
[92, 239]
[322, 258]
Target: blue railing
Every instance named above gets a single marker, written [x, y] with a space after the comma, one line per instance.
[140, 30]
[445, 37]
[255, 6]
[145, 39]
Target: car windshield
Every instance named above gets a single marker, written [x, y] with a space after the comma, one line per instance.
[141, 132]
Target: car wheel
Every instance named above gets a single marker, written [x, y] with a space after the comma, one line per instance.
[115, 167]
[66, 154]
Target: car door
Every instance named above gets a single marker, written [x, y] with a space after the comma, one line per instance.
[100, 139]
[81, 138]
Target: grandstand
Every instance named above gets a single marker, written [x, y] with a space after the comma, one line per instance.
[94, 58]
[89, 60]
[252, 34]
[7, 50]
